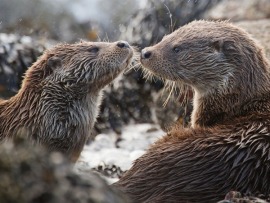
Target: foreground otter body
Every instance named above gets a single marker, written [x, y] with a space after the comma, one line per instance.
[228, 146]
[58, 102]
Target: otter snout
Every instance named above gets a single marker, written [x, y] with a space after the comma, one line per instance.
[146, 54]
[123, 44]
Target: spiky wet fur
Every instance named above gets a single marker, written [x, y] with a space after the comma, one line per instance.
[58, 102]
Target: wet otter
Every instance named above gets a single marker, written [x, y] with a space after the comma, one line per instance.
[58, 102]
[228, 146]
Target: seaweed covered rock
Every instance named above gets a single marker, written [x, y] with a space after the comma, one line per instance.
[30, 174]
[17, 53]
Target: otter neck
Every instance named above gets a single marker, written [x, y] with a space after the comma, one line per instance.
[33, 112]
[17, 113]
[217, 108]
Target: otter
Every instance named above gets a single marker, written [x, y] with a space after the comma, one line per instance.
[227, 146]
[58, 102]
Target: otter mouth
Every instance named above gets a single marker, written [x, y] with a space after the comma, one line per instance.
[110, 73]
[150, 68]
[128, 60]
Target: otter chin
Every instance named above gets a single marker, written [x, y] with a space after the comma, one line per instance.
[58, 102]
[227, 146]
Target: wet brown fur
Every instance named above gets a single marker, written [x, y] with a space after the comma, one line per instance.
[228, 146]
[58, 102]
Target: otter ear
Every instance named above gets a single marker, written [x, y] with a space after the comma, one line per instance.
[222, 46]
[53, 63]
[217, 45]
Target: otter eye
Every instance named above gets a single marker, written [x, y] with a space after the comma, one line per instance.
[176, 49]
[93, 49]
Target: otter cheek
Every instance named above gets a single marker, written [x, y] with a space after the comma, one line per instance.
[144, 62]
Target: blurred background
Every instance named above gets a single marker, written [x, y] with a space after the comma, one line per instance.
[28, 27]
[67, 20]
[132, 115]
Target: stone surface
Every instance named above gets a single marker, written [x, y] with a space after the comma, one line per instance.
[260, 31]
[239, 10]
[29, 174]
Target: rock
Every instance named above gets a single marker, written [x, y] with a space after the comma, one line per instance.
[128, 100]
[17, 53]
[30, 174]
[174, 109]
[239, 10]
[259, 29]
[237, 197]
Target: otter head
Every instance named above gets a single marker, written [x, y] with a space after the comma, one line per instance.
[60, 95]
[81, 66]
[208, 56]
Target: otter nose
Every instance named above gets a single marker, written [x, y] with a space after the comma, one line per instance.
[122, 44]
[145, 54]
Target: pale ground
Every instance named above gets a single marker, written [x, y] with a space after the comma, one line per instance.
[136, 138]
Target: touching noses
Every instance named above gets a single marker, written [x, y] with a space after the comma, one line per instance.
[145, 54]
[122, 44]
